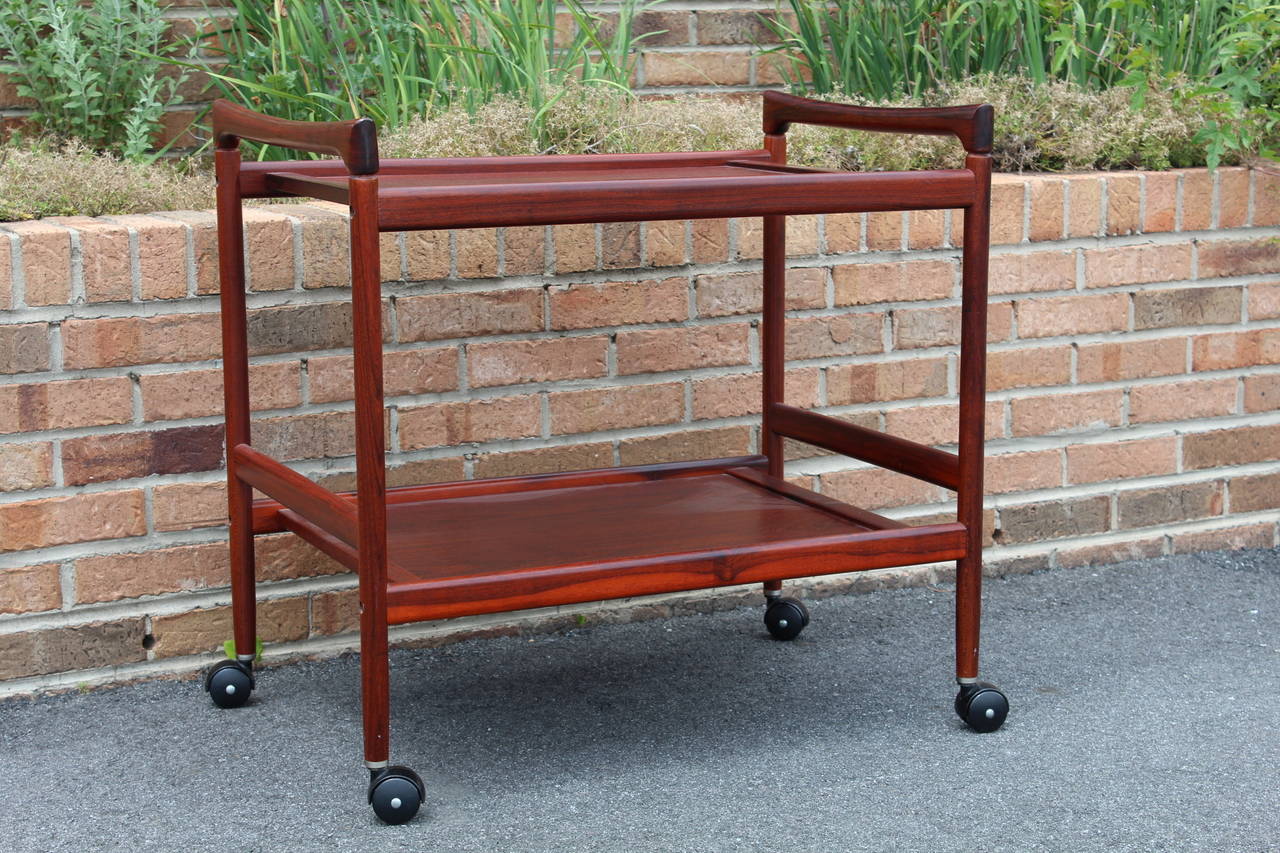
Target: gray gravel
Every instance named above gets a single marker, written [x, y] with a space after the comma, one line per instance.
[1145, 710]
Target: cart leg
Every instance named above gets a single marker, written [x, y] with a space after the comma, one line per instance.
[229, 683]
[980, 705]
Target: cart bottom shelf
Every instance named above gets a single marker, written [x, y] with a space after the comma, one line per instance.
[516, 543]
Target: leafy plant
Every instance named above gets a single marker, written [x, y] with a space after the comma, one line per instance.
[885, 49]
[392, 60]
[93, 69]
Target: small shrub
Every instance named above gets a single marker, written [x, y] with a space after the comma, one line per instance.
[93, 69]
[69, 179]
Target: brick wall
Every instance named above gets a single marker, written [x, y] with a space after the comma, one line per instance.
[696, 46]
[1134, 385]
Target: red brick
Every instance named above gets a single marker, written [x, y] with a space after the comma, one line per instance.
[312, 436]
[1054, 519]
[24, 348]
[1179, 401]
[417, 371]
[1161, 203]
[1239, 257]
[477, 252]
[30, 589]
[279, 620]
[470, 421]
[336, 612]
[513, 362]
[1084, 200]
[1233, 196]
[1022, 472]
[740, 394]
[73, 647]
[662, 28]
[736, 26]
[1235, 349]
[1111, 362]
[1007, 205]
[445, 469]
[1169, 504]
[1197, 199]
[77, 518]
[65, 404]
[924, 229]
[877, 488]
[844, 232]
[1047, 194]
[750, 237]
[597, 409]
[269, 249]
[1262, 393]
[1136, 264]
[861, 284]
[1067, 412]
[1112, 552]
[1124, 460]
[583, 306]
[1072, 315]
[426, 255]
[184, 506]
[523, 250]
[542, 460]
[1264, 300]
[1253, 493]
[743, 292]
[203, 225]
[665, 242]
[1036, 271]
[105, 264]
[889, 380]
[198, 393]
[438, 316]
[1186, 306]
[162, 256]
[1124, 198]
[1225, 538]
[122, 341]
[1235, 446]
[1266, 198]
[120, 456]
[937, 425]
[711, 240]
[659, 350]
[884, 231]
[114, 576]
[689, 444]
[701, 68]
[46, 261]
[26, 466]
[1022, 368]
[575, 247]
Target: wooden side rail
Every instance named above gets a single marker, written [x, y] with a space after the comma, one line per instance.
[869, 445]
[356, 142]
[314, 503]
[972, 125]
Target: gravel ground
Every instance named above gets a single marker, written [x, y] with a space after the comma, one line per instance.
[1144, 717]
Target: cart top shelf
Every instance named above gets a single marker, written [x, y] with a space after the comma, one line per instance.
[496, 191]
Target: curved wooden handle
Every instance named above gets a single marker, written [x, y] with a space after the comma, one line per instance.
[356, 142]
[973, 124]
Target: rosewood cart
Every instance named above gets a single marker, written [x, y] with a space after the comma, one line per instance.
[438, 551]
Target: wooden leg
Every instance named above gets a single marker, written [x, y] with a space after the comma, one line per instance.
[235, 366]
[371, 475]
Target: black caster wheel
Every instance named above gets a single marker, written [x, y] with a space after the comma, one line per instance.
[785, 618]
[229, 683]
[982, 706]
[396, 793]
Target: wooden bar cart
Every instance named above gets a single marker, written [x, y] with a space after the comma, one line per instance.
[438, 551]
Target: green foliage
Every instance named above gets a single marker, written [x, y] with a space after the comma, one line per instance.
[93, 69]
[392, 60]
[886, 49]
